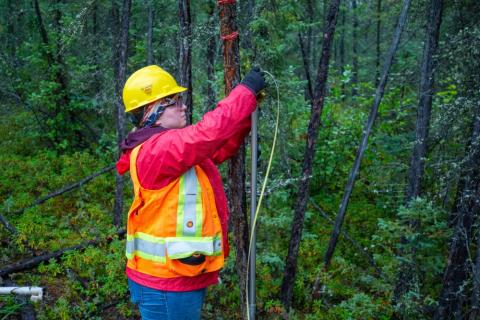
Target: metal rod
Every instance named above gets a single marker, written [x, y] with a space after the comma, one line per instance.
[253, 206]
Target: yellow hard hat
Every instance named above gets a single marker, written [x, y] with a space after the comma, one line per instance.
[147, 85]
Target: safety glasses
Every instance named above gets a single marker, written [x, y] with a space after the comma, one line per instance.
[176, 100]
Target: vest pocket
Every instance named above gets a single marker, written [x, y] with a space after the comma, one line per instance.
[187, 270]
[191, 256]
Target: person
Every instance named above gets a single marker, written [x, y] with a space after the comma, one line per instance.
[177, 224]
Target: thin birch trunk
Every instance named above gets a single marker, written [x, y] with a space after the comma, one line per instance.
[406, 276]
[366, 133]
[185, 58]
[454, 292]
[211, 54]
[354, 49]
[303, 191]
[306, 66]
[150, 34]
[377, 47]
[121, 77]
[475, 300]
[342, 50]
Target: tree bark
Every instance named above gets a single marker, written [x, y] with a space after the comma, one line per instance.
[377, 47]
[11, 42]
[475, 301]
[454, 292]
[43, 31]
[366, 133]
[406, 277]
[306, 66]
[211, 54]
[354, 49]
[426, 88]
[150, 34]
[8, 225]
[357, 245]
[343, 14]
[303, 191]
[186, 54]
[121, 77]
[236, 166]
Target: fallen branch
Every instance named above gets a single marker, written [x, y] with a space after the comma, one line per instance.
[357, 245]
[66, 189]
[41, 200]
[7, 225]
[31, 263]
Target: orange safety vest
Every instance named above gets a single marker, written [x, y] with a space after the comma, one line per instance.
[177, 221]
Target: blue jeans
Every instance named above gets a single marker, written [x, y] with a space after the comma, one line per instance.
[157, 304]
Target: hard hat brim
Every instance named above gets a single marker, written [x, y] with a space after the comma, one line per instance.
[174, 90]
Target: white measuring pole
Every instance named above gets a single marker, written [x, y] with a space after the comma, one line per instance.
[35, 293]
[253, 207]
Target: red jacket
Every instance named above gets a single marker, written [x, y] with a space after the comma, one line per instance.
[167, 155]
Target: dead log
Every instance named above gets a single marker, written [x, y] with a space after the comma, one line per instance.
[31, 263]
[61, 191]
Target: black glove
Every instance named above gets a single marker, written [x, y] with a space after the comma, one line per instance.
[254, 80]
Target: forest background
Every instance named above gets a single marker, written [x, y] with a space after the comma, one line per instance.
[409, 245]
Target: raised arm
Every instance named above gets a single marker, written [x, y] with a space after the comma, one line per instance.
[229, 149]
[172, 153]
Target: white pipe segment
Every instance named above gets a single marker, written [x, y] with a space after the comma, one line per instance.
[35, 293]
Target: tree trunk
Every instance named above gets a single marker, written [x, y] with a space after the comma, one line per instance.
[97, 83]
[309, 47]
[150, 34]
[354, 49]
[11, 42]
[366, 133]
[185, 59]
[416, 170]
[236, 166]
[454, 292]
[121, 77]
[211, 54]
[303, 192]
[306, 66]
[43, 31]
[377, 51]
[343, 13]
[406, 277]
[475, 301]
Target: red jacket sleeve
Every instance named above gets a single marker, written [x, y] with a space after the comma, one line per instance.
[231, 147]
[170, 154]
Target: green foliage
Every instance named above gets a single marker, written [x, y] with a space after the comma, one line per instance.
[417, 237]
[57, 126]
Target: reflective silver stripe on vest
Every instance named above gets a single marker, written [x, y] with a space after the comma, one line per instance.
[182, 247]
[190, 194]
[145, 246]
